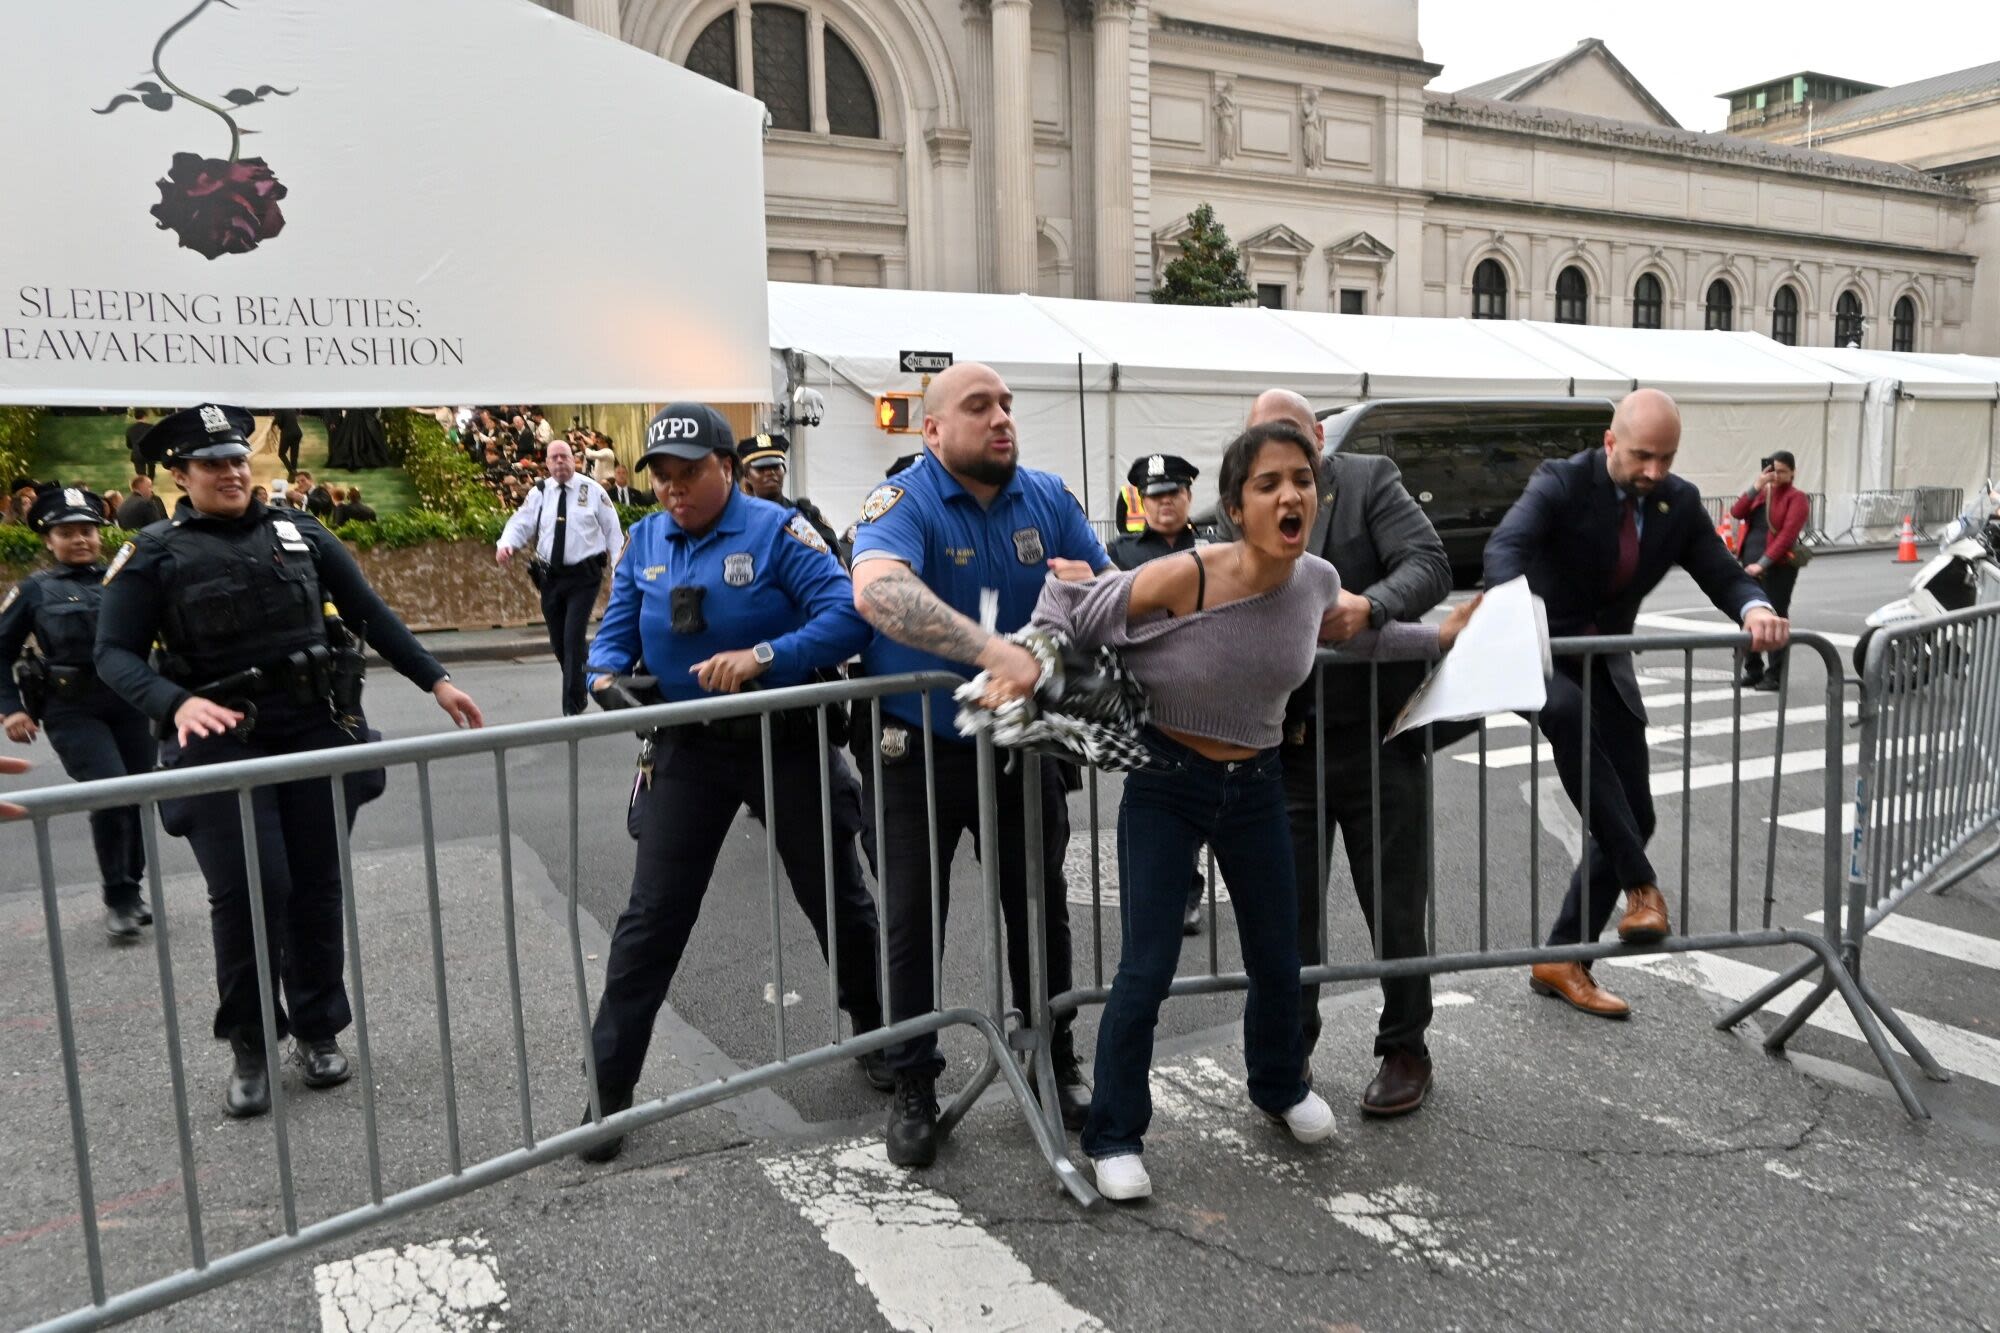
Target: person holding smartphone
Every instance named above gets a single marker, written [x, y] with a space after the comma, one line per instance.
[1774, 511]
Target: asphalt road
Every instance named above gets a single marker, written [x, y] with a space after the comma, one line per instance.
[1531, 1098]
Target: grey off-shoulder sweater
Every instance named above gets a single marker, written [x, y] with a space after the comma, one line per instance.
[1224, 672]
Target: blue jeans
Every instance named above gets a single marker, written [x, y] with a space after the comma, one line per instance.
[1176, 803]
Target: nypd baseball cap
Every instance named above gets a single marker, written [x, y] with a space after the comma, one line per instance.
[56, 503]
[687, 430]
[207, 431]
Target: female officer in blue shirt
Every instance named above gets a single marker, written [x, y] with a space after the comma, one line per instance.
[715, 591]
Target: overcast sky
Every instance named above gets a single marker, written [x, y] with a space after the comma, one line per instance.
[1687, 52]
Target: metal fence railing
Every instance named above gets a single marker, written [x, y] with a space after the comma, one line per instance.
[210, 1265]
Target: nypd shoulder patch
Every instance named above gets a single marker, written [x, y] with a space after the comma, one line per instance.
[118, 562]
[880, 501]
[803, 529]
[8, 600]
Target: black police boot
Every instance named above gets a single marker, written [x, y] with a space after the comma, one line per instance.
[249, 1083]
[321, 1064]
[122, 922]
[912, 1137]
[613, 1103]
[1072, 1093]
[875, 1064]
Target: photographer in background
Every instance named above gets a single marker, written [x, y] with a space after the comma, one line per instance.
[1775, 513]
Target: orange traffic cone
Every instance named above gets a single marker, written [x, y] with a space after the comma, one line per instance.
[1906, 544]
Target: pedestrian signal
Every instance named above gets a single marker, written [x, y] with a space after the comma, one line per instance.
[899, 413]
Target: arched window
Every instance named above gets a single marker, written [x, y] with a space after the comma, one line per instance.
[781, 75]
[1847, 320]
[1719, 308]
[1785, 316]
[1648, 298]
[1903, 326]
[1489, 290]
[1572, 296]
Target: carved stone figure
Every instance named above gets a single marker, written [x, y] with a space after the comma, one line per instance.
[1225, 120]
[1312, 138]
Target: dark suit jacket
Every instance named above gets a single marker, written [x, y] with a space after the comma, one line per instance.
[1563, 534]
[1379, 541]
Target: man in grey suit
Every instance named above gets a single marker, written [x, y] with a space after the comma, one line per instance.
[1392, 567]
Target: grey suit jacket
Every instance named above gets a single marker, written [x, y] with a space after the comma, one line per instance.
[1372, 532]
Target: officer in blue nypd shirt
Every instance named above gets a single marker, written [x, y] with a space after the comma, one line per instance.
[718, 592]
[964, 519]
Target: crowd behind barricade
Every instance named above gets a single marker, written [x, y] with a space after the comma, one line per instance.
[962, 561]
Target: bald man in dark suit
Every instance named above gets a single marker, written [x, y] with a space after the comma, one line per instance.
[1594, 534]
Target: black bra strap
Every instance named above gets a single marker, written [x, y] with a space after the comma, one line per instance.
[1201, 583]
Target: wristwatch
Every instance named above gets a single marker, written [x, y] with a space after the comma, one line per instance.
[1378, 614]
[763, 653]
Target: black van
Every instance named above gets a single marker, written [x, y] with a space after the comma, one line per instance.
[1466, 460]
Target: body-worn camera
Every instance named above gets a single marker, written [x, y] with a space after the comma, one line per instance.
[684, 605]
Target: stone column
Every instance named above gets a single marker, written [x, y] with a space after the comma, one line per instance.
[1013, 150]
[979, 125]
[1111, 40]
[823, 267]
[599, 14]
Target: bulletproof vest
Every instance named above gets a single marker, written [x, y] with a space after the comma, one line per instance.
[240, 599]
[66, 618]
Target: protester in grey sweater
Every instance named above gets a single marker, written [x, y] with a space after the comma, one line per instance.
[1220, 637]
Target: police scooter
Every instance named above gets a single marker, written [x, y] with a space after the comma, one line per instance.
[1965, 572]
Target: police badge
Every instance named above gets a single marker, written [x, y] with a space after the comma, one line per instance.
[895, 742]
[1028, 546]
[738, 569]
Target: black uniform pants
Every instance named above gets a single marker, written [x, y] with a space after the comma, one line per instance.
[300, 867]
[1778, 582]
[700, 780]
[1400, 933]
[567, 597]
[1621, 797]
[906, 879]
[102, 736]
[288, 451]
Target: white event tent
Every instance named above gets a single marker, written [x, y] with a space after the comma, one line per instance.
[1180, 380]
[268, 204]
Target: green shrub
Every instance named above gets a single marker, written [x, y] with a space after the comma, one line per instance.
[18, 427]
[448, 483]
[419, 526]
[21, 548]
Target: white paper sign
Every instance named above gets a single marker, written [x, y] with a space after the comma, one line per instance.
[1500, 664]
[311, 203]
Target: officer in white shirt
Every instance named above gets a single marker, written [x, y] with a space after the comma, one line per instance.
[576, 538]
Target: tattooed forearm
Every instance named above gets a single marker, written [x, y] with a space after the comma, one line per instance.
[898, 603]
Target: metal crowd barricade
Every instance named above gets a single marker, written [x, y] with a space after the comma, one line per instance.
[1926, 785]
[1745, 920]
[208, 1269]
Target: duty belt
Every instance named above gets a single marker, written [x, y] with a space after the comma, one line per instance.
[792, 727]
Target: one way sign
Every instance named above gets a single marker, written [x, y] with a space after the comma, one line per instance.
[925, 363]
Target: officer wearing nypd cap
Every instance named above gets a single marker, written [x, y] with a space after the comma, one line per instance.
[1164, 483]
[764, 459]
[94, 733]
[719, 592]
[251, 608]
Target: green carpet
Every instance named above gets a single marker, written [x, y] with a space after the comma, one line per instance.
[91, 448]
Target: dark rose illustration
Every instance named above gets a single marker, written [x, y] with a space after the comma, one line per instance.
[218, 207]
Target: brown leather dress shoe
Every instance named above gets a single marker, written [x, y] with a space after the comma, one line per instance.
[1645, 919]
[1400, 1085]
[1572, 984]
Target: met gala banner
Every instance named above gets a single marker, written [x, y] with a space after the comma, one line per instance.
[327, 203]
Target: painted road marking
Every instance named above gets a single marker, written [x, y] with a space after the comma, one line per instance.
[926, 1264]
[1962, 1052]
[1960, 945]
[451, 1286]
[1752, 703]
[1515, 756]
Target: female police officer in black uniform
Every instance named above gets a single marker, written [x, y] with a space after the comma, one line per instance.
[95, 733]
[716, 590]
[237, 596]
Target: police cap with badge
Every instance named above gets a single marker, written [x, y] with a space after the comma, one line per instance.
[56, 504]
[689, 431]
[207, 431]
[768, 449]
[1162, 474]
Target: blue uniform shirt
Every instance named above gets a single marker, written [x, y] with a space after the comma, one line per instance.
[925, 519]
[767, 577]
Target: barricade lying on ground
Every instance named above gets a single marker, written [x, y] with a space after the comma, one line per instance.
[1928, 701]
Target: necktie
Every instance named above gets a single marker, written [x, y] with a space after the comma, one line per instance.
[1628, 544]
[562, 526]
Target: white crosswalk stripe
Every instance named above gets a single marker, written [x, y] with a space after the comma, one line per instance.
[1960, 945]
[1968, 1053]
[1516, 756]
[1665, 699]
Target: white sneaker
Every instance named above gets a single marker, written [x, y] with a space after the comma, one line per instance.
[1124, 1177]
[1311, 1120]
